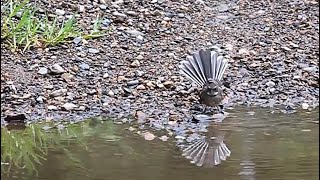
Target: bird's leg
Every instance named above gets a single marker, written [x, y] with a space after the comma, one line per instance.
[220, 109]
[204, 109]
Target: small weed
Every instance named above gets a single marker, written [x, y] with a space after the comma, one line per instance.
[54, 34]
[96, 32]
[21, 28]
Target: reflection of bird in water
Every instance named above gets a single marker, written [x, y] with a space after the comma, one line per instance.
[208, 150]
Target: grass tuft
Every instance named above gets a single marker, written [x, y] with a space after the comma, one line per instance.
[21, 28]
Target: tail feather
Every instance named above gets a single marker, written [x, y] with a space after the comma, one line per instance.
[206, 61]
[223, 67]
[203, 66]
[214, 55]
[196, 62]
[187, 69]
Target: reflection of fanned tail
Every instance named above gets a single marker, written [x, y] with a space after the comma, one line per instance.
[207, 153]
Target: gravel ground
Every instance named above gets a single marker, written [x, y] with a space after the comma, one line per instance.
[272, 47]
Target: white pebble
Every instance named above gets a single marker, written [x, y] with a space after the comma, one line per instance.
[305, 106]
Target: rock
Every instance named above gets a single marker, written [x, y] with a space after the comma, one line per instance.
[69, 106]
[302, 65]
[168, 84]
[180, 15]
[19, 14]
[286, 48]
[67, 77]
[132, 13]
[306, 130]
[218, 116]
[150, 84]
[103, 7]
[139, 57]
[56, 69]
[60, 92]
[106, 22]
[148, 136]
[135, 63]
[180, 137]
[272, 90]
[105, 75]
[223, 17]
[40, 99]
[25, 96]
[133, 82]
[244, 51]
[60, 12]
[310, 69]
[270, 84]
[305, 106]
[15, 118]
[48, 87]
[110, 93]
[93, 50]
[82, 108]
[119, 14]
[60, 126]
[164, 138]
[46, 128]
[251, 113]
[131, 129]
[134, 33]
[223, 7]
[81, 8]
[43, 71]
[84, 66]
[160, 85]
[52, 107]
[77, 40]
[140, 116]
[139, 73]
[296, 77]
[92, 91]
[141, 87]
[202, 117]
[199, 2]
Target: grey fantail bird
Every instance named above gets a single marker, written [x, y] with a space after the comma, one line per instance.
[206, 68]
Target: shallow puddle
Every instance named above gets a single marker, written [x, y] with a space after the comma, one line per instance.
[262, 145]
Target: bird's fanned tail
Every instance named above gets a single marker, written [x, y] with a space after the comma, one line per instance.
[203, 66]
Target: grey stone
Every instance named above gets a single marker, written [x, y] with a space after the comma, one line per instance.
[77, 40]
[69, 106]
[133, 82]
[93, 50]
[84, 66]
[60, 12]
[57, 69]
[270, 84]
[119, 14]
[43, 71]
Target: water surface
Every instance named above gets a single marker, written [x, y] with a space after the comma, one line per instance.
[263, 145]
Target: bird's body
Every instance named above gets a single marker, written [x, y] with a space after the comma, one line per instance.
[206, 68]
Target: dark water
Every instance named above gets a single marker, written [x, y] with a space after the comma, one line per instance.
[263, 145]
